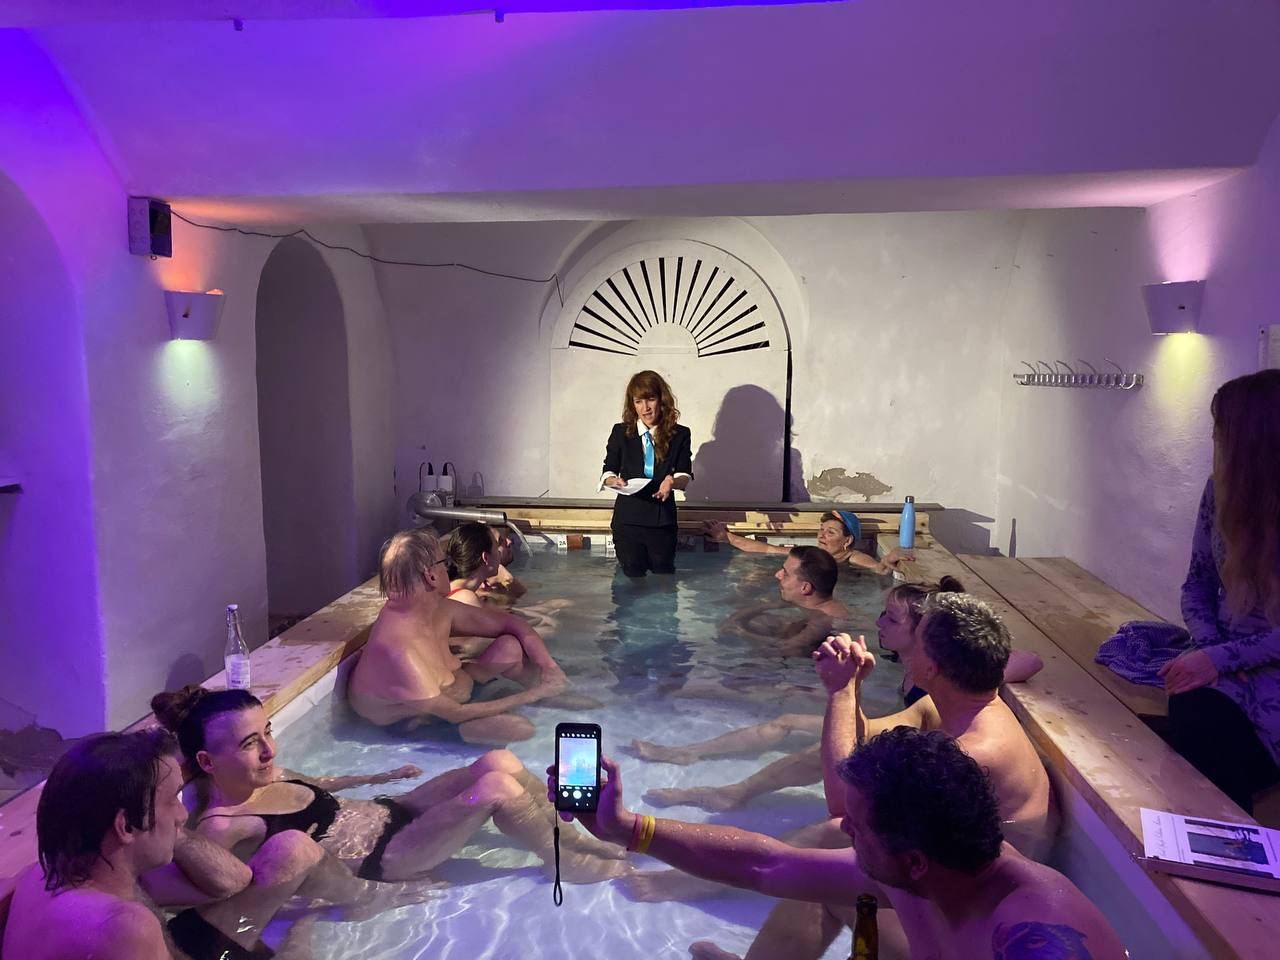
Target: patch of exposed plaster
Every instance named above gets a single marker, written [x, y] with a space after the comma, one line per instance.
[835, 485]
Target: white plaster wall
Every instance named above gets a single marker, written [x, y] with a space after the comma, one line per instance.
[896, 371]
[1113, 480]
[471, 370]
[177, 424]
[51, 656]
[1105, 477]
[176, 493]
[894, 319]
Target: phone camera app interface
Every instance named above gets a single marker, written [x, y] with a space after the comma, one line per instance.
[577, 773]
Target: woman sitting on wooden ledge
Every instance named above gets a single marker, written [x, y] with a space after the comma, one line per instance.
[837, 533]
[1224, 696]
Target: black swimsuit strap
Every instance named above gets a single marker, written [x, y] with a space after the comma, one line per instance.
[314, 819]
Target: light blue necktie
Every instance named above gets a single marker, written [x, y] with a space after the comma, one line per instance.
[648, 454]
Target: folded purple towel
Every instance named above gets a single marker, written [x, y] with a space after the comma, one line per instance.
[1141, 647]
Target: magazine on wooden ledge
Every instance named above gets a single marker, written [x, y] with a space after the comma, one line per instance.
[1237, 854]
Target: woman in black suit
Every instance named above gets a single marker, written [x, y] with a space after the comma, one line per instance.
[647, 443]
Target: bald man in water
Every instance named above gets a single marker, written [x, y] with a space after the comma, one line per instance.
[409, 671]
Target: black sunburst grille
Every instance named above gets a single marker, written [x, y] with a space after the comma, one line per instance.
[719, 313]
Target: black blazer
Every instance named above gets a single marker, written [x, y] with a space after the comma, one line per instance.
[625, 456]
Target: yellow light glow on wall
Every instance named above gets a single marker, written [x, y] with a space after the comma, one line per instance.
[1182, 377]
[187, 375]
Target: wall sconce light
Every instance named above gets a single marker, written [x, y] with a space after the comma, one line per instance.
[193, 315]
[1173, 307]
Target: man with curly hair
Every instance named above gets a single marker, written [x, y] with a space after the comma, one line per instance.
[924, 824]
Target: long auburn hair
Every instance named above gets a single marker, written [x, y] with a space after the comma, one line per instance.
[1246, 463]
[646, 383]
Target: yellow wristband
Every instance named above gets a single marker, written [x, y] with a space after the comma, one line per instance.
[648, 826]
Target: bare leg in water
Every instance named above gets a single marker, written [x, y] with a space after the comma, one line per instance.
[453, 806]
[797, 770]
[280, 866]
[754, 739]
[793, 931]
[804, 931]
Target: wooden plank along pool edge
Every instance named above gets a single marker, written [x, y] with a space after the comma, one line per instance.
[1118, 765]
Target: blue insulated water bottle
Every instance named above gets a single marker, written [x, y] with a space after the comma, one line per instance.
[907, 525]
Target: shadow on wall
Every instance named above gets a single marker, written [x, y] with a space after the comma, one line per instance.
[743, 458]
[961, 531]
[188, 668]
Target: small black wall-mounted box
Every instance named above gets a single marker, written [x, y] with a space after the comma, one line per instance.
[150, 227]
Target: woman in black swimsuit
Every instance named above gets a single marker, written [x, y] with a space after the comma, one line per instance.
[244, 798]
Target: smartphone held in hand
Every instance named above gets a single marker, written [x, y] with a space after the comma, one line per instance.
[577, 767]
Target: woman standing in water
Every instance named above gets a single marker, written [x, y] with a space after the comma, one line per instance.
[1224, 696]
[649, 444]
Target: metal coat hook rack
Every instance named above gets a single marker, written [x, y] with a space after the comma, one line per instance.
[1053, 376]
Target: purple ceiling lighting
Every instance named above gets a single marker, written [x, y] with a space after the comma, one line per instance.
[874, 105]
[40, 13]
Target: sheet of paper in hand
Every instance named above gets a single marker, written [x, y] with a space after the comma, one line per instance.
[632, 487]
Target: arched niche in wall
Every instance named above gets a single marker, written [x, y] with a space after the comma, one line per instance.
[51, 657]
[705, 319]
[304, 433]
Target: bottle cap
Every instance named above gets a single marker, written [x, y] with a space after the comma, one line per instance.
[232, 607]
[909, 500]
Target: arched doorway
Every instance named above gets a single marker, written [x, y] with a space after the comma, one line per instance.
[51, 646]
[304, 433]
[707, 321]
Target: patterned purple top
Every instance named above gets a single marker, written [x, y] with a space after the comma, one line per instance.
[1245, 650]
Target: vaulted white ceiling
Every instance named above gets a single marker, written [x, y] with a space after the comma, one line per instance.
[363, 111]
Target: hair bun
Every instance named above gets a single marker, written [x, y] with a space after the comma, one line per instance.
[173, 707]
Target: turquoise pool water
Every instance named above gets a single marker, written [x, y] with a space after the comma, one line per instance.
[647, 651]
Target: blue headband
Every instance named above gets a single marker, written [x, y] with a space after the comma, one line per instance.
[851, 523]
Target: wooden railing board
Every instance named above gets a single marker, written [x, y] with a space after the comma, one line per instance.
[1074, 627]
[1118, 765]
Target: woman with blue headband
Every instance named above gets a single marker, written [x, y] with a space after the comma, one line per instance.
[838, 531]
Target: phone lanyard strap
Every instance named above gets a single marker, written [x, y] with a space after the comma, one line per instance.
[557, 895]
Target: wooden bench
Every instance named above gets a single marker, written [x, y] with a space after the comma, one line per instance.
[1094, 743]
[1075, 610]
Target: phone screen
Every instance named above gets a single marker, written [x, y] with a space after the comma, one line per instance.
[577, 766]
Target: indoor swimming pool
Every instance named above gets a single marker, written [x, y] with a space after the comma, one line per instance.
[657, 658]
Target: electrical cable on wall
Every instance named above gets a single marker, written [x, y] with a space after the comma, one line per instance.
[303, 232]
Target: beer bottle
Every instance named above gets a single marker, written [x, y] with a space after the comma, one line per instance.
[866, 935]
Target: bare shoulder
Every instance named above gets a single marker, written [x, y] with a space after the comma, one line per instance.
[225, 828]
[467, 596]
[88, 923]
[994, 736]
[132, 931]
[1046, 916]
